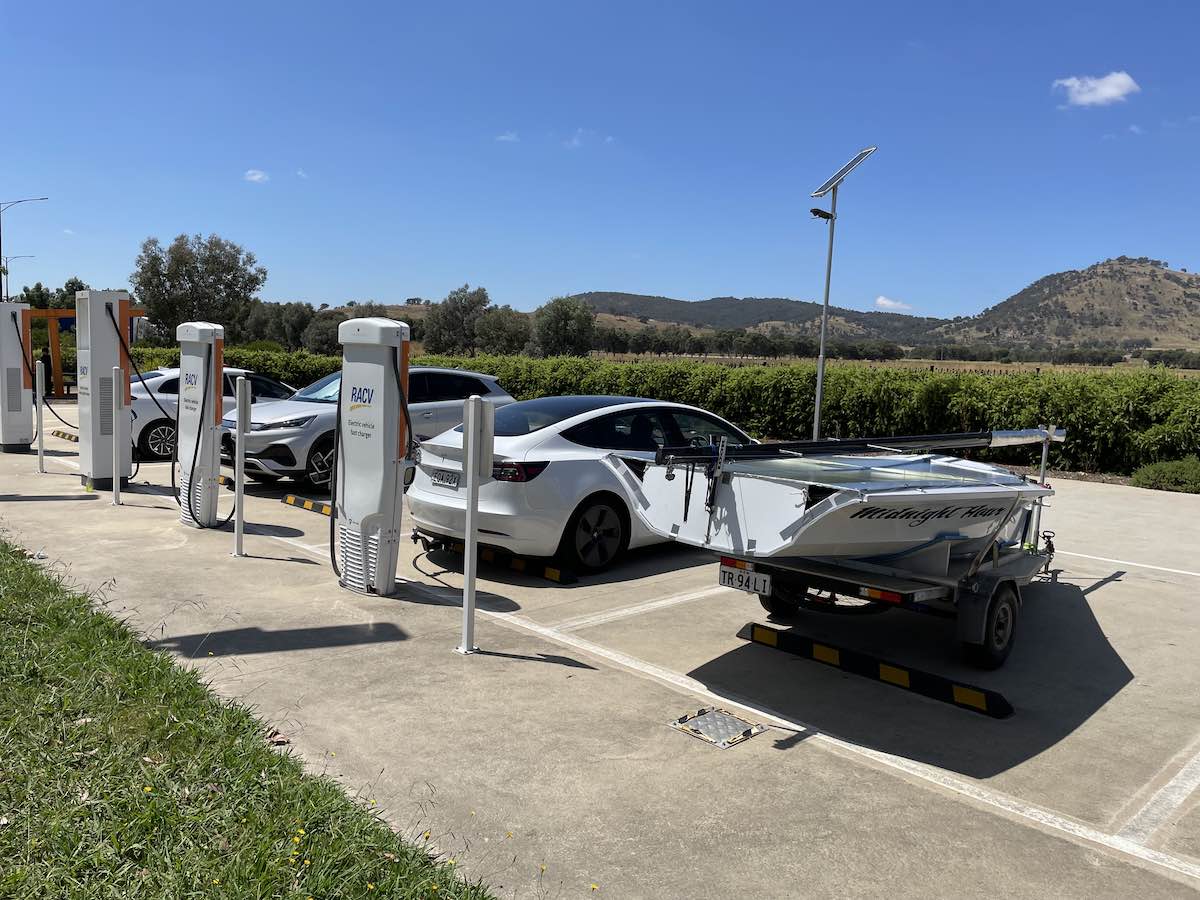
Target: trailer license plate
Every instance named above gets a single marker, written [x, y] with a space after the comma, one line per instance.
[746, 580]
[444, 478]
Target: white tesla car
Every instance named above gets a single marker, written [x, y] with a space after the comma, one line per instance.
[551, 492]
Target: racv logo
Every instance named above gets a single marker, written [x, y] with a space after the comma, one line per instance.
[361, 397]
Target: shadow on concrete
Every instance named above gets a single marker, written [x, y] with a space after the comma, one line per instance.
[292, 559]
[12, 498]
[541, 657]
[643, 562]
[242, 641]
[272, 530]
[1062, 670]
[146, 488]
[449, 595]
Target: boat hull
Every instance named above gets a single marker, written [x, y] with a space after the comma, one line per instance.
[780, 517]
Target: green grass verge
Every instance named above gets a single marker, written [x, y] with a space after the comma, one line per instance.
[121, 775]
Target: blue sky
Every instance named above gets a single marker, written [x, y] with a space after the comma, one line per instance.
[547, 148]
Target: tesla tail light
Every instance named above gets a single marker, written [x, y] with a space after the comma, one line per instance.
[517, 471]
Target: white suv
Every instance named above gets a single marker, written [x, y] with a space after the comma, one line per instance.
[294, 437]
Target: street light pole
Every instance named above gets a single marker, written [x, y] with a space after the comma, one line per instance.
[824, 321]
[3, 206]
[831, 185]
[5, 260]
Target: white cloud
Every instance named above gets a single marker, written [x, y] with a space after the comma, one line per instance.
[68, 231]
[258, 176]
[1085, 90]
[509, 137]
[1136, 129]
[576, 140]
[610, 139]
[882, 302]
[300, 173]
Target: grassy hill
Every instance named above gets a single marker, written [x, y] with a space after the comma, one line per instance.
[1118, 301]
[1112, 302]
[760, 313]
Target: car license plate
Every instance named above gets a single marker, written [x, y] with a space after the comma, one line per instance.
[444, 478]
[745, 580]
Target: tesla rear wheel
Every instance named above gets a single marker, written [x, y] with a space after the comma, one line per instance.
[157, 440]
[320, 462]
[596, 535]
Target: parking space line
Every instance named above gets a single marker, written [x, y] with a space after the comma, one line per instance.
[1125, 562]
[613, 615]
[1028, 813]
[1163, 804]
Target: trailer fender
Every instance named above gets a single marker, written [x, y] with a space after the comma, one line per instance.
[972, 600]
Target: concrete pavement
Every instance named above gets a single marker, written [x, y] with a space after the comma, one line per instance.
[551, 748]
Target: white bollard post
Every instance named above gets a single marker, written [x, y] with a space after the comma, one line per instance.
[117, 432]
[239, 464]
[479, 428]
[39, 385]
[471, 442]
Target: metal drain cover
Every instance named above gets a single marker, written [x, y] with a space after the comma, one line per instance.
[718, 727]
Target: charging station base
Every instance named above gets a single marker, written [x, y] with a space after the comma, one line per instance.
[14, 448]
[101, 484]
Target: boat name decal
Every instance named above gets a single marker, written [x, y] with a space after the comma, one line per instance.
[919, 516]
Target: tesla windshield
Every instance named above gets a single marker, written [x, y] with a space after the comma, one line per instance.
[529, 416]
[323, 391]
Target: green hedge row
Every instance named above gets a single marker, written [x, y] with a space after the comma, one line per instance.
[1116, 422]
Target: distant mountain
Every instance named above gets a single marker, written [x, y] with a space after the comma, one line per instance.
[763, 313]
[1118, 301]
[1122, 301]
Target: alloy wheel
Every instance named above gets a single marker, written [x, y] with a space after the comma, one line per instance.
[161, 440]
[598, 536]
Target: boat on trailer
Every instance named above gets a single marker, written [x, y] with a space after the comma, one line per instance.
[880, 520]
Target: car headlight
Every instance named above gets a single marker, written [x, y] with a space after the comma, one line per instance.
[299, 422]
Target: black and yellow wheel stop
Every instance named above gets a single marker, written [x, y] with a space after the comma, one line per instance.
[936, 687]
[520, 564]
[316, 506]
[66, 436]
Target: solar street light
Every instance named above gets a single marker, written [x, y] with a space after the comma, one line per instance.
[830, 187]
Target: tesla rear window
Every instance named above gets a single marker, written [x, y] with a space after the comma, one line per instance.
[529, 416]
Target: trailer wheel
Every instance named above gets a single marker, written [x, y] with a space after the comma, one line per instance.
[999, 631]
[778, 607]
[785, 600]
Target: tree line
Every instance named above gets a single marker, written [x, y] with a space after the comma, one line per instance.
[209, 278]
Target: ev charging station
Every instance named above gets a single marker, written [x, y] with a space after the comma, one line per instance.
[372, 442]
[16, 379]
[197, 441]
[104, 446]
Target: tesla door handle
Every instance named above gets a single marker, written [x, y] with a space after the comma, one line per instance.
[426, 415]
